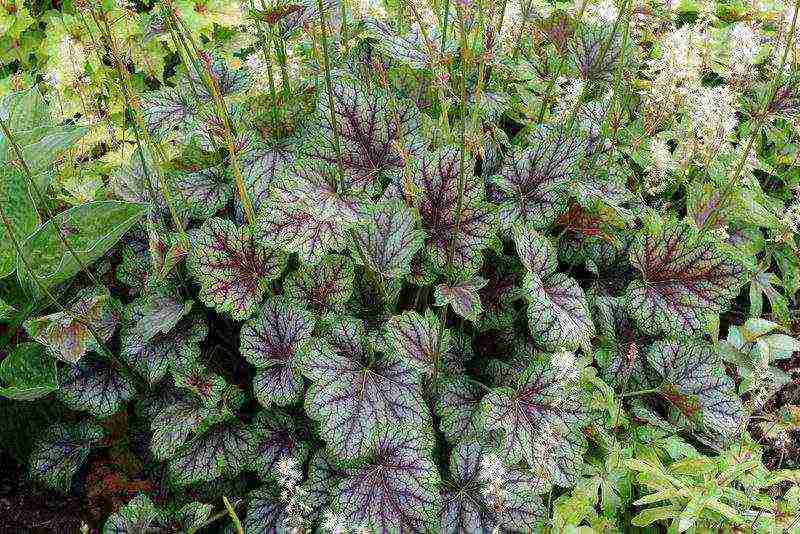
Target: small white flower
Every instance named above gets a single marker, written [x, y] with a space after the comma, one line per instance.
[604, 10]
[333, 523]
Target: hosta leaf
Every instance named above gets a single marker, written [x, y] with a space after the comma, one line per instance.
[354, 391]
[18, 207]
[95, 386]
[372, 133]
[205, 191]
[66, 335]
[540, 422]
[273, 342]
[233, 270]
[262, 165]
[41, 154]
[695, 381]
[61, 451]
[388, 240]
[396, 488]
[225, 449]
[462, 296]
[323, 289]
[534, 181]
[457, 401]
[685, 282]
[416, 339]
[28, 373]
[90, 229]
[277, 439]
[472, 506]
[158, 332]
[558, 312]
[438, 182]
[306, 215]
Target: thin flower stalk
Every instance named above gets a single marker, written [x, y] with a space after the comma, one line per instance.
[265, 50]
[551, 84]
[237, 525]
[755, 132]
[326, 65]
[227, 130]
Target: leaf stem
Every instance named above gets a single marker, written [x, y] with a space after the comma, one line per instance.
[329, 89]
[232, 513]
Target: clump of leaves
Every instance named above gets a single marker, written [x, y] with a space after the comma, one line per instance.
[382, 268]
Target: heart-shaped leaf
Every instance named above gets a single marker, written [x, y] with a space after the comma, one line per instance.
[388, 241]
[277, 438]
[273, 341]
[694, 380]
[355, 390]
[323, 289]
[225, 449]
[232, 268]
[205, 191]
[462, 296]
[540, 422]
[418, 340]
[395, 488]
[96, 386]
[686, 281]
[61, 451]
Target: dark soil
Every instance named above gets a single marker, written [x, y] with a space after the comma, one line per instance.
[25, 509]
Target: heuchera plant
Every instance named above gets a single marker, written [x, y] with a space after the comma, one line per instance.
[450, 267]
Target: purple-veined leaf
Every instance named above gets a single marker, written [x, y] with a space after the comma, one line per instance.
[277, 438]
[534, 181]
[204, 191]
[95, 386]
[536, 252]
[139, 515]
[539, 422]
[288, 18]
[224, 449]
[273, 341]
[369, 303]
[60, 452]
[306, 215]
[266, 514]
[377, 139]
[262, 165]
[409, 49]
[558, 312]
[173, 426]
[416, 339]
[323, 289]
[597, 50]
[229, 81]
[457, 400]
[472, 505]
[388, 240]
[396, 488]
[159, 331]
[462, 296]
[686, 281]
[465, 236]
[354, 391]
[620, 356]
[498, 293]
[324, 475]
[209, 387]
[66, 335]
[167, 110]
[232, 268]
[694, 380]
